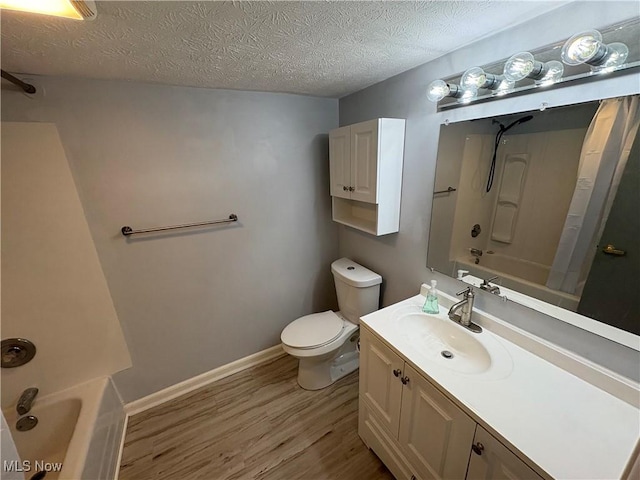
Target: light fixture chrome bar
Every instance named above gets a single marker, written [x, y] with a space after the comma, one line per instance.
[549, 67]
[126, 231]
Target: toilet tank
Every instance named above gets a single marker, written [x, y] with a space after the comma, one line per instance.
[357, 287]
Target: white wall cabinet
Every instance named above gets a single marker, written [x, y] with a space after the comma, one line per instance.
[417, 431]
[366, 174]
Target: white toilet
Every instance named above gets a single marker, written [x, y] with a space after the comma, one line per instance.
[326, 344]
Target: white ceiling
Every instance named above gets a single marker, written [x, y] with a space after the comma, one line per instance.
[315, 48]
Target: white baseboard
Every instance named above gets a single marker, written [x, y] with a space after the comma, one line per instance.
[201, 380]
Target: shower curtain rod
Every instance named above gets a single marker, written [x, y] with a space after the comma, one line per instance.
[448, 190]
[27, 87]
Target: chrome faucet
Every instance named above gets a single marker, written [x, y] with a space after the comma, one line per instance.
[476, 253]
[466, 309]
[26, 400]
[490, 288]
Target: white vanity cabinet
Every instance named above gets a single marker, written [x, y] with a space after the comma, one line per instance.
[410, 424]
[417, 431]
[366, 174]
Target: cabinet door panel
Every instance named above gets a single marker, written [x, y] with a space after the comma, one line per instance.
[497, 462]
[379, 387]
[340, 162]
[385, 447]
[364, 161]
[435, 433]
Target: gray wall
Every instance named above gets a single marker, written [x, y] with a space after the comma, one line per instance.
[150, 155]
[401, 258]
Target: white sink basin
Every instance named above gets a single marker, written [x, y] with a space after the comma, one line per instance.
[439, 340]
[444, 342]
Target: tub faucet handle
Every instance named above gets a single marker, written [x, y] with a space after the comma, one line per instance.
[25, 401]
[466, 292]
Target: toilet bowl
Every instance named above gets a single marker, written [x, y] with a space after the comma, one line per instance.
[326, 344]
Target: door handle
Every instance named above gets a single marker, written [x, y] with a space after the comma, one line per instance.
[611, 250]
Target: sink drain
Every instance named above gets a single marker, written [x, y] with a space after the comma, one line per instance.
[446, 354]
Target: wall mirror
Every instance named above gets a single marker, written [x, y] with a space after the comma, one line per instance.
[547, 202]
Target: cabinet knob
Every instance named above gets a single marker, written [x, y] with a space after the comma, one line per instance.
[477, 448]
[413, 477]
[397, 372]
[351, 189]
[344, 188]
[404, 380]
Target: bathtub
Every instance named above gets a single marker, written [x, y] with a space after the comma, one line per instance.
[520, 275]
[70, 433]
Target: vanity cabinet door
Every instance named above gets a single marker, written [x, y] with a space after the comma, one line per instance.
[491, 460]
[340, 162]
[435, 434]
[380, 380]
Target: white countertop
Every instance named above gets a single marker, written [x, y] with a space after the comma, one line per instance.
[568, 427]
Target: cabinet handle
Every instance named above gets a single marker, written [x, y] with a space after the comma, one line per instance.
[404, 380]
[344, 188]
[397, 372]
[351, 189]
[477, 448]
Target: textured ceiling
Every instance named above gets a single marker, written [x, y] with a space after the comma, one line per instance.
[314, 48]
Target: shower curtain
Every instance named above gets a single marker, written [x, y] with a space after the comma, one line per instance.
[604, 155]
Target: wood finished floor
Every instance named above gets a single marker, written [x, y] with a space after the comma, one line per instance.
[256, 424]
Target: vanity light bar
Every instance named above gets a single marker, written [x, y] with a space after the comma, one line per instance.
[583, 48]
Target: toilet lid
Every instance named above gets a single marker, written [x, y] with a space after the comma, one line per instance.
[313, 330]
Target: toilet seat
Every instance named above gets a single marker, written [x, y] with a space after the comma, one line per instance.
[313, 331]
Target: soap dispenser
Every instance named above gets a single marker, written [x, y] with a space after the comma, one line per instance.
[431, 303]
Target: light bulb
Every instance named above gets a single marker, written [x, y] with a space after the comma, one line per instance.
[616, 56]
[437, 90]
[519, 66]
[506, 86]
[475, 78]
[553, 71]
[585, 47]
[468, 95]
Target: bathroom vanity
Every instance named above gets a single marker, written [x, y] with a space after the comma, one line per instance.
[438, 401]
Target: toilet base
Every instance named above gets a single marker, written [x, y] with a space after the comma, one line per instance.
[317, 373]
